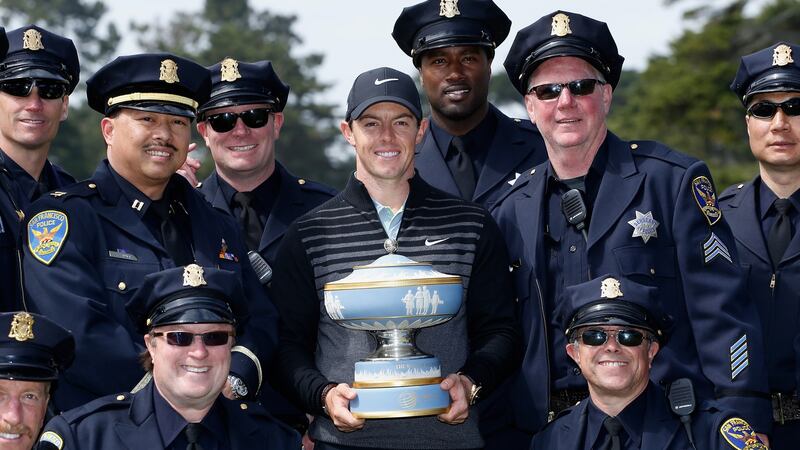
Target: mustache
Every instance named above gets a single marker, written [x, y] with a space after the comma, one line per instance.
[150, 145]
[15, 429]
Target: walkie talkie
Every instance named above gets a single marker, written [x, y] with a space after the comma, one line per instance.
[574, 209]
[682, 402]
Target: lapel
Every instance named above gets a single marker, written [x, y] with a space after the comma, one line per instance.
[573, 428]
[528, 207]
[660, 424]
[507, 151]
[207, 234]
[432, 167]
[746, 225]
[213, 193]
[141, 431]
[243, 431]
[621, 183]
[287, 207]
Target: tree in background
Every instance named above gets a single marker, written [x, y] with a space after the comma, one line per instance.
[231, 28]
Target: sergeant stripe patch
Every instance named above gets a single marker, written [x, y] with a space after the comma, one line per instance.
[714, 247]
[739, 359]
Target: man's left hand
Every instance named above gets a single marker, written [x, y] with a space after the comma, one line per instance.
[458, 386]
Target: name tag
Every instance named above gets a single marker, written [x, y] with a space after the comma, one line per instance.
[117, 254]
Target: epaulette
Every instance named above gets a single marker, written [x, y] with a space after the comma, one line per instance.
[657, 150]
[519, 183]
[81, 189]
[731, 191]
[109, 402]
[313, 186]
[525, 124]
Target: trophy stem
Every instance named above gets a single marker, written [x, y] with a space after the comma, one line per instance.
[393, 344]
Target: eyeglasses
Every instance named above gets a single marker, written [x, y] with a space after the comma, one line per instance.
[185, 338]
[553, 90]
[766, 110]
[628, 338]
[48, 89]
[253, 118]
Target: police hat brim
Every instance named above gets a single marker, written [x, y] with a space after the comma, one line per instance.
[616, 312]
[778, 81]
[238, 99]
[34, 362]
[172, 109]
[205, 307]
[358, 110]
[34, 72]
[451, 34]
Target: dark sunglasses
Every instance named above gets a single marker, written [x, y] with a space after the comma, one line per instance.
[48, 89]
[766, 110]
[185, 338]
[553, 90]
[253, 118]
[628, 338]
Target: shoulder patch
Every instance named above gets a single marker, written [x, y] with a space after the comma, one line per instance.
[706, 199]
[52, 438]
[47, 231]
[740, 435]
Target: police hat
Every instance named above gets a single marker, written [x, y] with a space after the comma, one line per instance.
[241, 83]
[190, 294]
[563, 33]
[772, 69]
[158, 82]
[611, 300]
[33, 348]
[383, 84]
[34, 52]
[446, 23]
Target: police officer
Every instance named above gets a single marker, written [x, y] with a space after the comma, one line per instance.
[240, 124]
[95, 241]
[33, 350]
[471, 149]
[764, 215]
[36, 78]
[189, 318]
[601, 205]
[615, 329]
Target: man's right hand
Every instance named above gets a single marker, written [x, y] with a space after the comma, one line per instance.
[337, 404]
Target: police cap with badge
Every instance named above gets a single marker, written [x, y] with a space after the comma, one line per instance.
[241, 83]
[37, 54]
[563, 33]
[33, 348]
[773, 69]
[158, 82]
[446, 23]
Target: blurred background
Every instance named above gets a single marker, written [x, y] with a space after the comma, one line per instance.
[681, 55]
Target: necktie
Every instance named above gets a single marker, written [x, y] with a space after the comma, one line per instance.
[460, 165]
[781, 232]
[192, 432]
[173, 235]
[613, 427]
[248, 219]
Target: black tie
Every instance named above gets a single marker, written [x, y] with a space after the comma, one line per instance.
[176, 238]
[192, 432]
[461, 167]
[781, 232]
[248, 218]
[613, 427]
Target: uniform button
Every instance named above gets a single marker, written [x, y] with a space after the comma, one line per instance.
[120, 397]
[92, 185]
[741, 185]
[533, 171]
[576, 371]
[243, 406]
[572, 248]
[122, 286]
[634, 146]
[301, 181]
[652, 271]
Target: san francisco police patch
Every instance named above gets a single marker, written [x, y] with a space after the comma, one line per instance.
[740, 435]
[706, 199]
[47, 231]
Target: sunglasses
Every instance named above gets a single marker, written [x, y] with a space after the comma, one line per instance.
[253, 118]
[628, 338]
[766, 110]
[48, 89]
[185, 338]
[553, 90]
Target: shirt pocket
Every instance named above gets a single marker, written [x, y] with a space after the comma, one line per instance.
[653, 262]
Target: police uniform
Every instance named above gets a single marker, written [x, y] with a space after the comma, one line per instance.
[653, 218]
[33, 52]
[750, 212]
[144, 419]
[288, 196]
[510, 146]
[95, 241]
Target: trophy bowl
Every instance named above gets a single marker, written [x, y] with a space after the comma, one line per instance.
[392, 298]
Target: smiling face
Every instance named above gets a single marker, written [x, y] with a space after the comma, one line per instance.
[23, 405]
[775, 142]
[189, 377]
[30, 123]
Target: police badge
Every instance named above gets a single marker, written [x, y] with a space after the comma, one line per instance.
[782, 55]
[449, 8]
[193, 276]
[47, 231]
[32, 40]
[21, 327]
[168, 71]
[644, 226]
[706, 199]
[229, 70]
[560, 25]
[610, 288]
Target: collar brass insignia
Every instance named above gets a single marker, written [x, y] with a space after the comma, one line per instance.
[449, 8]
[609, 288]
[32, 40]
[168, 71]
[193, 276]
[21, 327]
[560, 25]
[229, 69]
[782, 55]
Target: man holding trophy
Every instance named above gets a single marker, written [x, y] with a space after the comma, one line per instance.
[422, 271]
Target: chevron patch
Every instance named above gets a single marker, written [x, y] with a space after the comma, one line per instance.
[739, 358]
[713, 247]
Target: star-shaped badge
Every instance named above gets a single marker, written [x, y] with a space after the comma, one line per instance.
[644, 226]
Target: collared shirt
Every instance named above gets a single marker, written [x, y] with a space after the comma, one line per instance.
[266, 194]
[477, 141]
[390, 220]
[171, 425]
[567, 260]
[631, 418]
[768, 214]
[29, 188]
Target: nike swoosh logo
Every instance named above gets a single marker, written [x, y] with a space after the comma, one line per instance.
[380, 82]
[429, 243]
